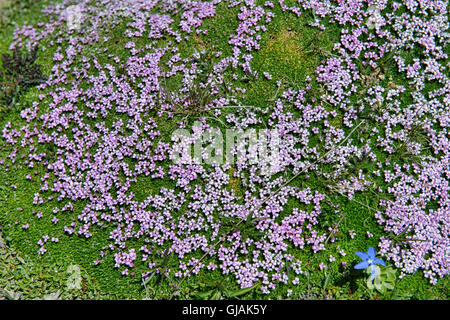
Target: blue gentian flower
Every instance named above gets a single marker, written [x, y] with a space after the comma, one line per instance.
[369, 260]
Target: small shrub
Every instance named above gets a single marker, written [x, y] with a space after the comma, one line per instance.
[19, 73]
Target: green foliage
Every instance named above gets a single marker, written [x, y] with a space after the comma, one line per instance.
[10, 8]
[19, 73]
[220, 292]
[384, 279]
[22, 278]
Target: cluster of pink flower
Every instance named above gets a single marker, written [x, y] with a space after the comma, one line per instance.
[98, 162]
